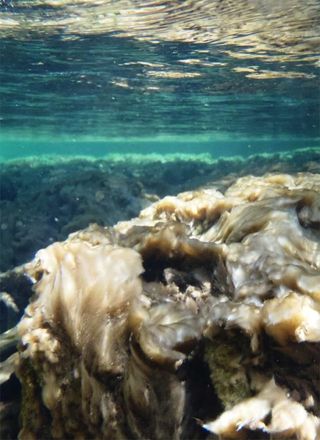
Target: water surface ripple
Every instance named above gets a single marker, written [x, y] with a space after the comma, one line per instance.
[130, 68]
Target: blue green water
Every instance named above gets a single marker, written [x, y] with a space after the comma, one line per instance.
[222, 77]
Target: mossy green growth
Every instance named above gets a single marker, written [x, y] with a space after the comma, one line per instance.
[34, 418]
[225, 354]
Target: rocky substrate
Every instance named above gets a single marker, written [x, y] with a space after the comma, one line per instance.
[200, 318]
[42, 200]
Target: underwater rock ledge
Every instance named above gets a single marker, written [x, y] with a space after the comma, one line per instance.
[199, 318]
[44, 199]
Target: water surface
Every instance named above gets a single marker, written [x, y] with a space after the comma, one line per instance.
[228, 77]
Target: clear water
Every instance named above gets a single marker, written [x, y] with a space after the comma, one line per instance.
[225, 77]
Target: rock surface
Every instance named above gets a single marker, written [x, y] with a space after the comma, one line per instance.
[199, 317]
[44, 200]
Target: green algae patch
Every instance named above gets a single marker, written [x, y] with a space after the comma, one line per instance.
[224, 355]
[34, 417]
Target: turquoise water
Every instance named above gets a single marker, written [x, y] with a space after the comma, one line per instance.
[224, 77]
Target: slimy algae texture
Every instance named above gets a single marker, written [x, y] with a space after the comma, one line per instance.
[121, 313]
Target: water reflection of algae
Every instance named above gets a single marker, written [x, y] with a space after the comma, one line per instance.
[271, 31]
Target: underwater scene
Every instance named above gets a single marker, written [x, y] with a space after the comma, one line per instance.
[159, 219]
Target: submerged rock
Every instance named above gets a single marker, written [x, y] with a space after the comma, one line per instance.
[199, 317]
[47, 198]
